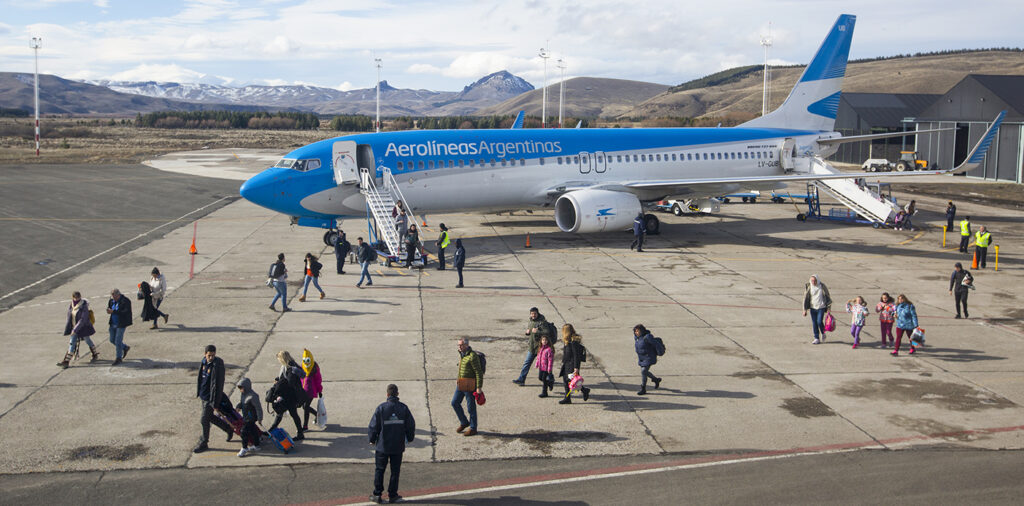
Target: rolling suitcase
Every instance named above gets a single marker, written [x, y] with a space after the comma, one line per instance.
[281, 439]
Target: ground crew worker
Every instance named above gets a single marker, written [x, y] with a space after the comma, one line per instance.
[442, 243]
[981, 241]
[965, 233]
[391, 426]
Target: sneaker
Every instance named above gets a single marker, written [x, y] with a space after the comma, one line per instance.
[243, 452]
[376, 499]
[643, 391]
[298, 437]
[274, 309]
[369, 283]
[815, 342]
[966, 315]
[397, 498]
[895, 353]
[586, 394]
[458, 286]
[358, 285]
[957, 317]
[912, 351]
[855, 346]
[519, 382]
[285, 310]
[461, 428]
[322, 295]
[200, 448]
[116, 361]
[166, 317]
[567, 400]
[124, 354]
[543, 395]
[470, 432]
[254, 448]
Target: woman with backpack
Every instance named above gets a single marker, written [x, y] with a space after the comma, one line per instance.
[818, 301]
[573, 353]
[647, 356]
[312, 270]
[287, 393]
[79, 326]
[906, 322]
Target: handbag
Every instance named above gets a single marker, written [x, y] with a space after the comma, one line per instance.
[270, 282]
[917, 338]
[830, 323]
[321, 414]
[968, 282]
[466, 384]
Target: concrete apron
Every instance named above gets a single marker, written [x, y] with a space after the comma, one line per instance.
[723, 291]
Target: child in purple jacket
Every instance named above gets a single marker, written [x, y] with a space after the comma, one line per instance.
[545, 362]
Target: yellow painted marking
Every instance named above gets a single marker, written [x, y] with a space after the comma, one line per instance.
[424, 272]
[379, 272]
[236, 156]
[918, 236]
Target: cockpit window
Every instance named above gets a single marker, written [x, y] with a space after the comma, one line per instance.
[299, 165]
[285, 163]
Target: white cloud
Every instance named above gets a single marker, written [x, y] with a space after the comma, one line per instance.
[166, 73]
[423, 68]
[345, 86]
[102, 4]
[280, 45]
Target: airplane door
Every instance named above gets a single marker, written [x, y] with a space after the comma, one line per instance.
[600, 161]
[344, 162]
[786, 154]
[585, 162]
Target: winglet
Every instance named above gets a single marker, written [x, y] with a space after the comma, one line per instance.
[520, 119]
[579, 124]
[977, 155]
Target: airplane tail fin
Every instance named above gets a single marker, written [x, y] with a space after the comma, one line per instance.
[814, 101]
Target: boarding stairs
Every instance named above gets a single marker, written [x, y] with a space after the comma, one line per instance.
[872, 207]
[380, 200]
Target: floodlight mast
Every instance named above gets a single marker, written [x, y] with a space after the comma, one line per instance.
[544, 94]
[377, 123]
[766, 93]
[37, 42]
[561, 90]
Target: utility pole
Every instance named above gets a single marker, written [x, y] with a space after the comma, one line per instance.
[37, 42]
[544, 95]
[561, 91]
[377, 123]
[766, 93]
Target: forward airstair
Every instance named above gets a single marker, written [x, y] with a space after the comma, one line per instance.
[865, 203]
[379, 203]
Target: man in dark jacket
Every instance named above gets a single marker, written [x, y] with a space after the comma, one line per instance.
[210, 390]
[958, 289]
[341, 250]
[120, 310]
[391, 426]
[647, 355]
[639, 229]
[364, 256]
[442, 243]
[460, 260]
[950, 215]
[536, 327]
[412, 240]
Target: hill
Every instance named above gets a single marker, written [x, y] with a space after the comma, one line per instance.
[586, 97]
[737, 92]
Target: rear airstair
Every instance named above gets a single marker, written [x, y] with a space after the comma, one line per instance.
[379, 203]
[865, 203]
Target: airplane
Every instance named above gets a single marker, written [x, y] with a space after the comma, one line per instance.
[595, 179]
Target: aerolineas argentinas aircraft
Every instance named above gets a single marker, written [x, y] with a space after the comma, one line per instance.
[596, 179]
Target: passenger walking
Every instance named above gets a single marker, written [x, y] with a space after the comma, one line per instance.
[886, 309]
[950, 215]
[469, 382]
[647, 356]
[399, 207]
[279, 279]
[312, 384]
[149, 310]
[460, 260]
[312, 269]
[573, 354]
[288, 393]
[158, 284]
[252, 413]
[442, 243]
[412, 239]
[78, 324]
[960, 283]
[965, 233]
[545, 364]
[859, 309]
[120, 310]
[906, 322]
[536, 327]
[982, 238]
[639, 230]
[401, 225]
[341, 250]
[391, 427]
[818, 301]
[910, 209]
[210, 391]
[364, 254]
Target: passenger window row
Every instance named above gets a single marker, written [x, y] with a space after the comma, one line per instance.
[575, 159]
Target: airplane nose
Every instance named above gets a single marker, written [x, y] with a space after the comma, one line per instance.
[258, 189]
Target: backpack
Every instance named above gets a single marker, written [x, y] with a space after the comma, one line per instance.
[373, 254]
[294, 376]
[551, 330]
[659, 345]
[275, 270]
[483, 362]
[583, 353]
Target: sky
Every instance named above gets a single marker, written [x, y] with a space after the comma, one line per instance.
[445, 45]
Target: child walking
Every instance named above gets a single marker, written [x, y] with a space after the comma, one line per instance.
[859, 309]
[886, 310]
[545, 363]
[252, 413]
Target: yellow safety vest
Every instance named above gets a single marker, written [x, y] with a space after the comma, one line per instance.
[981, 240]
[965, 227]
[445, 242]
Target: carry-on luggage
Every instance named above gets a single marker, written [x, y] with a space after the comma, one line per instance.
[281, 439]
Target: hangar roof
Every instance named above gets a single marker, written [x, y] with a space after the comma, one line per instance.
[888, 109]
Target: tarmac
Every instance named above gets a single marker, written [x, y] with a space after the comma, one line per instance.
[723, 291]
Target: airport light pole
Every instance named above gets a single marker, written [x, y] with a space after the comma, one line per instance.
[544, 94]
[766, 93]
[561, 90]
[37, 42]
[377, 123]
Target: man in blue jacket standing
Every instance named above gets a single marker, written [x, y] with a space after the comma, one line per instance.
[390, 428]
[639, 229]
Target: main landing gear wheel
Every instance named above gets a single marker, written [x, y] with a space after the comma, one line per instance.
[330, 237]
[676, 210]
[801, 217]
[652, 223]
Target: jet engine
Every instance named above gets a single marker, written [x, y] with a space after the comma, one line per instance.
[587, 211]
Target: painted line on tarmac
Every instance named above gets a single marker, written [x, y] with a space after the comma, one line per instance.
[677, 465]
[918, 236]
[62, 271]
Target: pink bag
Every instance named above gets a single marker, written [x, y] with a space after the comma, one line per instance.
[830, 323]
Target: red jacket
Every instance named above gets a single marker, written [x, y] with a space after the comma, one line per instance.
[312, 383]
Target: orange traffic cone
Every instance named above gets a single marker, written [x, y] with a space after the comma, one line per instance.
[192, 249]
[974, 264]
[527, 239]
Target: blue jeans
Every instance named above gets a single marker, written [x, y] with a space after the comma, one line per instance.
[117, 339]
[457, 406]
[818, 321]
[282, 293]
[305, 284]
[364, 274]
[530, 357]
[73, 345]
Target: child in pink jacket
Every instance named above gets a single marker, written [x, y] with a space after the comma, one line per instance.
[545, 361]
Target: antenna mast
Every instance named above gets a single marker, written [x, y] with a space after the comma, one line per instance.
[37, 42]
[544, 94]
[766, 95]
[377, 123]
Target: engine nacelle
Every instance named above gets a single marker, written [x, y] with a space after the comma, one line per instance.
[587, 211]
